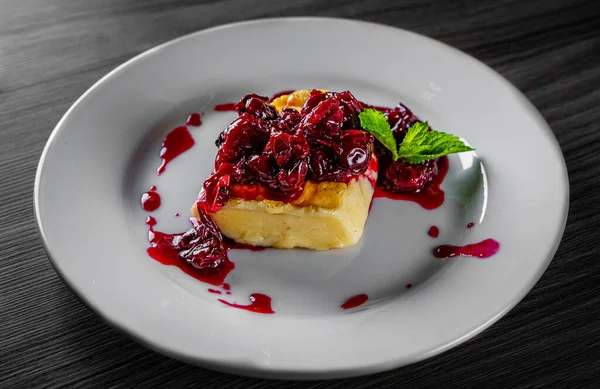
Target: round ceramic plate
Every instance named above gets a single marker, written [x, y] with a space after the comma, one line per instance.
[104, 154]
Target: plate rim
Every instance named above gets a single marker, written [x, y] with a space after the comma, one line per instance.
[255, 370]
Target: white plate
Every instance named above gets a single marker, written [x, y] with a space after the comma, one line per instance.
[104, 153]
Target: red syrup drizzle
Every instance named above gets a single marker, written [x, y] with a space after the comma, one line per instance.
[355, 301]
[259, 303]
[175, 143]
[194, 120]
[151, 200]
[163, 250]
[224, 107]
[434, 232]
[483, 249]
[211, 290]
[226, 286]
[470, 225]
[431, 197]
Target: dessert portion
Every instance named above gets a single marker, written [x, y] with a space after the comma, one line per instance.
[301, 170]
[296, 172]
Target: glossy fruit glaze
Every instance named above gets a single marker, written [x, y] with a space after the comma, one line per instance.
[199, 252]
[399, 180]
[279, 153]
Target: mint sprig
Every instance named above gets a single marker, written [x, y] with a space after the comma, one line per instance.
[419, 144]
[374, 121]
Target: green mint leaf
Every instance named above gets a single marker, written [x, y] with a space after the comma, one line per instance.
[374, 121]
[420, 144]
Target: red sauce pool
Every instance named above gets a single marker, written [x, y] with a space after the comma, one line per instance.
[150, 200]
[483, 249]
[170, 256]
[194, 120]
[429, 198]
[470, 225]
[259, 303]
[226, 286]
[175, 143]
[355, 301]
[224, 107]
[434, 232]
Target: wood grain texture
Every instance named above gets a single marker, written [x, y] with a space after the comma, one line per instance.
[51, 51]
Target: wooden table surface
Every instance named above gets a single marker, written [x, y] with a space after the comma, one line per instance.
[51, 51]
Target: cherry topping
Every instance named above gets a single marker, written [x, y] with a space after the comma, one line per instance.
[256, 105]
[282, 152]
[403, 177]
[355, 150]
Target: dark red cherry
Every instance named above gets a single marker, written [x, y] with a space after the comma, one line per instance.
[286, 148]
[216, 189]
[256, 105]
[290, 116]
[322, 125]
[262, 167]
[314, 98]
[404, 177]
[351, 108]
[322, 162]
[240, 174]
[202, 246]
[293, 179]
[244, 135]
[356, 150]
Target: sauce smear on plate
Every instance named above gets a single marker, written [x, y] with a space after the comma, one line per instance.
[355, 301]
[175, 143]
[151, 200]
[259, 303]
[434, 232]
[197, 252]
[431, 197]
[224, 107]
[194, 120]
[483, 249]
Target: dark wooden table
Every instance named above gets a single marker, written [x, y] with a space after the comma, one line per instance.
[51, 51]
